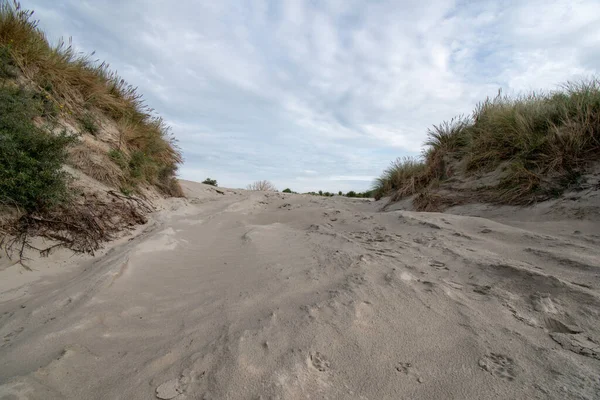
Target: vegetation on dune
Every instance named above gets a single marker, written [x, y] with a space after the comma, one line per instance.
[539, 145]
[47, 91]
[31, 160]
[352, 193]
[263, 186]
[76, 85]
[363, 195]
[208, 181]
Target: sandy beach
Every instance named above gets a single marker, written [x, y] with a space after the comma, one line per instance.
[251, 295]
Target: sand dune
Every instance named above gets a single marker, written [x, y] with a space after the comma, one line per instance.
[249, 295]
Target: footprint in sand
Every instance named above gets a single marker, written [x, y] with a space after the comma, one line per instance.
[403, 367]
[171, 389]
[319, 361]
[408, 369]
[499, 365]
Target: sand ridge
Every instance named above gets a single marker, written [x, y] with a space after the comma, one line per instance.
[250, 295]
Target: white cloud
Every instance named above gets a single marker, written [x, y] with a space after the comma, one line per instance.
[271, 90]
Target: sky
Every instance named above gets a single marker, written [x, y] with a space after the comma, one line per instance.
[323, 94]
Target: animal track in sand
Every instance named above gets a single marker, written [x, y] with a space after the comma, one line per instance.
[12, 335]
[319, 361]
[482, 289]
[438, 265]
[429, 286]
[499, 365]
[403, 367]
[408, 369]
[430, 225]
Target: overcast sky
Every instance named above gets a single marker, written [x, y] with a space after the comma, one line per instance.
[315, 94]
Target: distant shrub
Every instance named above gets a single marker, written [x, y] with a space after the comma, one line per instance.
[287, 190]
[340, 193]
[351, 193]
[208, 181]
[31, 160]
[264, 186]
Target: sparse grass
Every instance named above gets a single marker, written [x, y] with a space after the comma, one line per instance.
[92, 160]
[118, 158]
[72, 83]
[544, 141]
[88, 123]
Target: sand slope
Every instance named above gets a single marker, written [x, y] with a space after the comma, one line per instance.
[247, 295]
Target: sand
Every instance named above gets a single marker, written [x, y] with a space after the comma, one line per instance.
[249, 295]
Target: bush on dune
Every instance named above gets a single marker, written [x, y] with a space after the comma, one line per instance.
[263, 186]
[541, 143]
[31, 160]
[208, 181]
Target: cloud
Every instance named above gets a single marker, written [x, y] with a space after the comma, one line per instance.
[275, 89]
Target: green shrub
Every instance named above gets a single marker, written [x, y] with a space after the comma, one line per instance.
[287, 190]
[212, 182]
[88, 123]
[142, 167]
[127, 190]
[118, 158]
[351, 193]
[31, 159]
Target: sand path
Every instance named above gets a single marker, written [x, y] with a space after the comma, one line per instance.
[247, 295]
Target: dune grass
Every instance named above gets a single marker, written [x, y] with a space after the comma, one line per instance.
[540, 143]
[76, 83]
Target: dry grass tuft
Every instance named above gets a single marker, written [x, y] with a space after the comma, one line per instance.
[404, 177]
[95, 163]
[263, 186]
